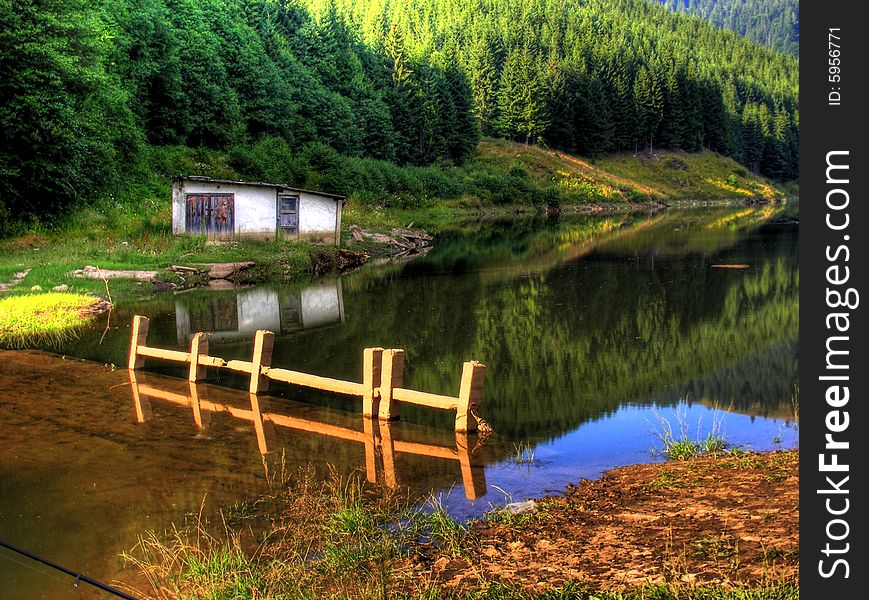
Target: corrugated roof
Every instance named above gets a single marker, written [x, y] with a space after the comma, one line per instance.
[282, 186]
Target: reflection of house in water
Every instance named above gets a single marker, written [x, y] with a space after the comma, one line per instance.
[382, 441]
[239, 313]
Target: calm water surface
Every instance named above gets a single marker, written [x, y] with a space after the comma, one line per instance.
[598, 332]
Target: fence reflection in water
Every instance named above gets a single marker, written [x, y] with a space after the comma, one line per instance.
[378, 438]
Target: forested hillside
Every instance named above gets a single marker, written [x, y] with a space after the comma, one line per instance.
[602, 75]
[88, 90]
[773, 23]
[86, 87]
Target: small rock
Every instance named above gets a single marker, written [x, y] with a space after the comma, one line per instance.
[36, 288]
[60, 288]
[162, 286]
[518, 508]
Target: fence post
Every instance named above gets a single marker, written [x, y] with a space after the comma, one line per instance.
[372, 359]
[470, 395]
[138, 336]
[391, 377]
[198, 345]
[263, 344]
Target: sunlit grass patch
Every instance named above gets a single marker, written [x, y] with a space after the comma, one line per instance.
[680, 445]
[34, 318]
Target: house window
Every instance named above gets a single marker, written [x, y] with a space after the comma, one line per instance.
[288, 214]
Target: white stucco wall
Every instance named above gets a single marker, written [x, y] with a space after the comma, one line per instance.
[179, 212]
[256, 308]
[322, 304]
[317, 217]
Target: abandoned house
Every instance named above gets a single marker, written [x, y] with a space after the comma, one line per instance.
[222, 208]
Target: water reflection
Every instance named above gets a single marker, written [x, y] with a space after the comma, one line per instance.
[590, 327]
[381, 440]
[575, 317]
[238, 313]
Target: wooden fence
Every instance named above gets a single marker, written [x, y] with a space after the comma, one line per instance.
[381, 390]
[377, 437]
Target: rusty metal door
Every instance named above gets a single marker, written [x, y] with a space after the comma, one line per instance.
[211, 214]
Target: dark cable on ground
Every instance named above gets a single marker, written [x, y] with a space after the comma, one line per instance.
[78, 576]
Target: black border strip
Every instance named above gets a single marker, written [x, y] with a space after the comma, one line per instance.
[832, 126]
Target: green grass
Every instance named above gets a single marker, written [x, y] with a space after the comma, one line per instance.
[523, 454]
[698, 176]
[53, 256]
[434, 523]
[42, 317]
[678, 444]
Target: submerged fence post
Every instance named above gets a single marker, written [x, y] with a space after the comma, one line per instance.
[199, 417]
[137, 338]
[391, 377]
[372, 360]
[470, 395]
[263, 345]
[198, 345]
[142, 404]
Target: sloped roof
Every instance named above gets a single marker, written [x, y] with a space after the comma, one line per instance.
[282, 186]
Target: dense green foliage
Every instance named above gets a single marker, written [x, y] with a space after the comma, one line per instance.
[88, 90]
[85, 88]
[773, 23]
[65, 123]
[603, 75]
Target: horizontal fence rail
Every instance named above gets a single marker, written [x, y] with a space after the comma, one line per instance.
[381, 390]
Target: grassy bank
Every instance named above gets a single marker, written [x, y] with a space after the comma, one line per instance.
[44, 317]
[345, 539]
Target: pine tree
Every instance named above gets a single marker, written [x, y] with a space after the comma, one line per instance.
[483, 77]
[521, 103]
[649, 102]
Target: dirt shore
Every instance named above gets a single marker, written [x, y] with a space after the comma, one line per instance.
[724, 521]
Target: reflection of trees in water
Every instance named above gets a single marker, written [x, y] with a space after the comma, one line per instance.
[630, 336]
[760, 385]
[580, 340]
[569, 332]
